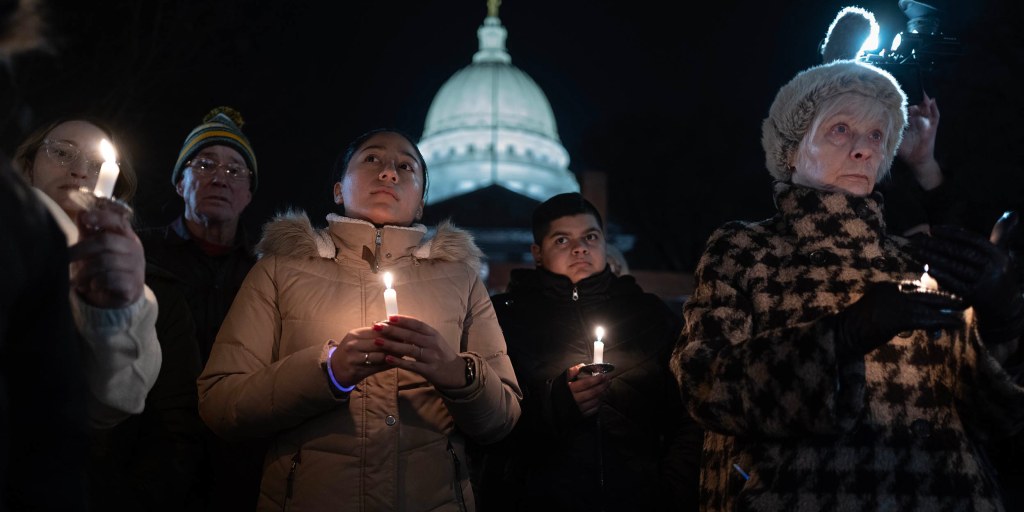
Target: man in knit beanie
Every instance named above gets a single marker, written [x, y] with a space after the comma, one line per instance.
[207, 251]
[222, 126]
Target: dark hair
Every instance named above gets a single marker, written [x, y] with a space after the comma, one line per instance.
[25, 156]
[558, 206]
[341, 164]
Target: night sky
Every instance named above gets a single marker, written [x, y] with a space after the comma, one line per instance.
[666, 101]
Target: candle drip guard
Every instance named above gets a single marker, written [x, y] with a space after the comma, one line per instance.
[596, 368]
[915, 286]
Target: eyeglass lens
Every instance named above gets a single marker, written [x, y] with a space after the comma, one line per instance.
[208, 167]
[66, 153]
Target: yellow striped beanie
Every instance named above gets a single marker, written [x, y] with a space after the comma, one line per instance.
[222, 126]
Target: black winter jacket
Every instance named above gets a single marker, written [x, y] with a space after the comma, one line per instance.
[640, 452]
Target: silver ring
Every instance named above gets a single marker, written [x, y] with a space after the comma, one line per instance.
[366, 359]
[420, 357]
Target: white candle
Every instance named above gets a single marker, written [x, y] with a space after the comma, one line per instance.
[928, 282]
[108, 171]
[390, 296]
[599, 346]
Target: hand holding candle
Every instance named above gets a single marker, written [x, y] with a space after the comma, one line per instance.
[108, 171]
[599, 346]
[390, 296]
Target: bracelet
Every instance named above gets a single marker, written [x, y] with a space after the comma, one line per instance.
[330, 374]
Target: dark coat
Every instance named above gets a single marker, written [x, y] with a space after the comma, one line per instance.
[791, 426]
[231, 471]
[153, 461]
[210, 283]
[907, 205]
[42, 385]
[640, 451]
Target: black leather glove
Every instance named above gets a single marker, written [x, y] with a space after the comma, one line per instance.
[885, 311]
[981, 271]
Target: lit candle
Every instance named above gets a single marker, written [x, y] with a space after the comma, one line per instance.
[390, 296]
[928, 282]
[599, 346]
[108, 171]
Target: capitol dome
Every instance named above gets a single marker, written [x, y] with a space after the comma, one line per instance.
[490, 124]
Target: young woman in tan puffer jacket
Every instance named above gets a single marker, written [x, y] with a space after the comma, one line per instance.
[364, 411]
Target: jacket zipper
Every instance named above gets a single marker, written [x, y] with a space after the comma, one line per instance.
[600, 436]
[376, 251]
[458, 478]
[296, 460]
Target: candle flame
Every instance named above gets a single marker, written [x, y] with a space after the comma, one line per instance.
[107, 150]
[387, 280]
[599, 332]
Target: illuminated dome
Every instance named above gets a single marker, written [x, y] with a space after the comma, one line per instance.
[490, 124]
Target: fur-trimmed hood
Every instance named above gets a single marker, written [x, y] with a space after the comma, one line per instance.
[291, 234]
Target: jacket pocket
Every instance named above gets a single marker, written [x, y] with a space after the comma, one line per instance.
[457, 478]
[290, 479]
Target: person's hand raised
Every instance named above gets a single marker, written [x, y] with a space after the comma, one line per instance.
[108, 260]
[918, 147]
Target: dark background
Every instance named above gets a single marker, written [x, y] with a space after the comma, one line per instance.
[667, 100]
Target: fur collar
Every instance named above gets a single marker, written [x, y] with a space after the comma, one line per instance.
[291, 234]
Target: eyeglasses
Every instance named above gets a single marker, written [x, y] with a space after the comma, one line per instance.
[207, 168]
[66, 153]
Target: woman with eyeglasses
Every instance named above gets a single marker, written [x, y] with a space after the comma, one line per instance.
[141, 367]
[366, 409]
[113, 309]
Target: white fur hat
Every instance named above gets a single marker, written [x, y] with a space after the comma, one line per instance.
[797, 103]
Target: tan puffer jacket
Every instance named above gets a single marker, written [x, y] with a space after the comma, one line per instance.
[397, 443]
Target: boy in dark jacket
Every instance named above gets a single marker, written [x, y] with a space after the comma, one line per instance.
[619, 440]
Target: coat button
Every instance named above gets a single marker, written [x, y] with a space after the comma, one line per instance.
[880, 263]
[390, 420]
[921, 428]
[818, 257]
[862, 211]
[388, 255]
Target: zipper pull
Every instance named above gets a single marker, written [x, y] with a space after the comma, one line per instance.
[376, 251]
[575, 294]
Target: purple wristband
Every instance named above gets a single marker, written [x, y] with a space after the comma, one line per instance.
[330, 374]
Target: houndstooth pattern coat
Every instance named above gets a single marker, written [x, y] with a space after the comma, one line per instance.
[790, 427]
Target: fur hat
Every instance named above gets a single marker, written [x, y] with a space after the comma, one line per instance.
[221, 126]
[797, 104]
